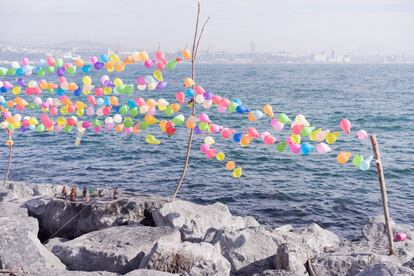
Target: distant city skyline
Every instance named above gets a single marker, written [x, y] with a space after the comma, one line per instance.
[350, 27]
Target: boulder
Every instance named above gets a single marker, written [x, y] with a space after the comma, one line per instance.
[53, 213]
[193, 220]
[20, 249]
[16, 211]
[249, 249]
[187, 258]
[148, 272]
[20, 191]
[386, 270]
[274, 272]
[302, 244]
[116, 249]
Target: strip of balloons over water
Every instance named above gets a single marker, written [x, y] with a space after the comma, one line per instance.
[67, 105]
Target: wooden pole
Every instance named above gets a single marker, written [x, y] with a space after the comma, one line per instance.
[381, 179]
[196, 43]
[6, 176]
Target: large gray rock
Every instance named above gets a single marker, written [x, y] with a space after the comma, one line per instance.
[115, 249]
[53, 213]
[148, 272]
[302, 244]
[193, 220]
[187, 259]
[21, 192]
[386, 270]
[248, 250]
[20, 249]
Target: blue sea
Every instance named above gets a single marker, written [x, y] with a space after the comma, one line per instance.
[276, 188]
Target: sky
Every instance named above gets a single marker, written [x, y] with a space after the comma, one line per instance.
[356, 27]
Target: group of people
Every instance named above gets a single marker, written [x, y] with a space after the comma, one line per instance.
[86, 193]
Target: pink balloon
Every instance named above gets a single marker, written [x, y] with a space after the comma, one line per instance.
[211, 153]
[140, 101]
[323, 148]
[297, 128]
[216, 100]
[294, 148]
[400, 236]
[269, 140]
[199, 90]
[345, 125]
[264, 134]
[203, 117]
[148, 63]
[278, 126]
[253, 132]
[50, 61]
[361, 134]
[215, 128]
[25, 61]
[204, 148]
[180, 96]
[226, 133]
[94, 59]
[221, 108]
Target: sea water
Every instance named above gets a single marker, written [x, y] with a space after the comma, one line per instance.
[276, 188]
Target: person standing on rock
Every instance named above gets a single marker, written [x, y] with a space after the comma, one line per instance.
[73, 193]
[64, 192]
[115, 194]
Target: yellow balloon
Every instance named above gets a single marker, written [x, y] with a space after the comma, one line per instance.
[209, 140]
[16, 90]
[237, 173]
[158, 75]
[152, 140]
[295, 139]
[118, 82]
[312, 135]
[151, 120]
[331, 137]
[220, 156]
[87, 80]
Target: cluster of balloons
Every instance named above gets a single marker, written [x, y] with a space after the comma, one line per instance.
[69, 105]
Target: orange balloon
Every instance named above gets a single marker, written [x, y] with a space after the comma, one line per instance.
[230, 165]
[119, 128]
[268, 110]
[79, 62]
[129, 60]
[113, 100]
[175, 107]
[343, 157]
[120, 67]
[136, 129]
[188, 82]
[109, 64]
[251, 117]
[245, 140]
[186, 54]
[151, 102]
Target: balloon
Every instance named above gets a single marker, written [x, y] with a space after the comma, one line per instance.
[297, 128]
[331, 137]
[245, 140]
[253, 132]
[366, 164]
[180, 96]
[345, 125]
[283, 118]
[343, 157]
[320, 136]
[357, 160]
[281, 147]
[203, 117]
[150, 139]
[251, 117]
[257, 114]
[268, 110]
[148, 63]
[323, 148]
[209, 140]
[361, 134]
[278, 126]
[186, 54]
[237, 173]
[220, 156]
[226, 133]
[158, 75]
[211, 153]
[188, 82]
[230, 165]
[203, 126]
[306, 131]
[191, 122]
[300, 119]
[178, 120]
[269, 140]
[306, 148]
[237, 136]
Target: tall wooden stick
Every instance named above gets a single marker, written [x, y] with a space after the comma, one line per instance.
[6, 176]
[190, 137]
[381, 179]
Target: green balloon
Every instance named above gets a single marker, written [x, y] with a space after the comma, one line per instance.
[11, 72]
[128, 122]
[143, 125]
[3, 71]
[120, 89]
[41, 73]
[169, 110]
[232, 107]
[123, 109]
[40, 128]
[283, 118]
[306, 131]
[50, 69]
[281, 147]
[59, 62]
[129, 89]
[96, 123]
[71, 70]
[357, 160]
[67, 128]
[203, 126]
[178, 120]
[171, 65]
[134, 111]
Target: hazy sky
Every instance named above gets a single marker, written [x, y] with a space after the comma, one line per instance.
[348, 26]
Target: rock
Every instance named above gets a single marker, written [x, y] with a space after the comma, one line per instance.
[20, 191]
[193, 220]
[248, 250]
[52, 213]
[16, 211]
[148, 272]
[386, 270]
[44, 272]
[409, 264]
[274, 272]
[187, 259]
[115, 249]
[20, 249]
[302, 244]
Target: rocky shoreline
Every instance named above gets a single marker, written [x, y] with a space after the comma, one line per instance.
[145, 235]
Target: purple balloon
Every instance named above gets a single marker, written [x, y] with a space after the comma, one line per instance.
[21, 82]
[98, 65]
[60, 72]
[161, 85]
[208, 96]
[197, 130]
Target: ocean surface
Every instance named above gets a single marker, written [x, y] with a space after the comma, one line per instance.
[276, 188]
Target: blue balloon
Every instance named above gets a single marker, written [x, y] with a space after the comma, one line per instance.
[238, 101]
[306, 148]
[104, 57]
[242, 109]
[77, 92]
[60, 92]
[3, 89]
[189, 92]
[116, 108]
[86, 68]
[19, 71]
[107, 102]
[237, 136]
[131, 104]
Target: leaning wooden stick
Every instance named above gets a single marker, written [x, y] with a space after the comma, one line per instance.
[381, 178]
[194, 51]
[6, 176]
